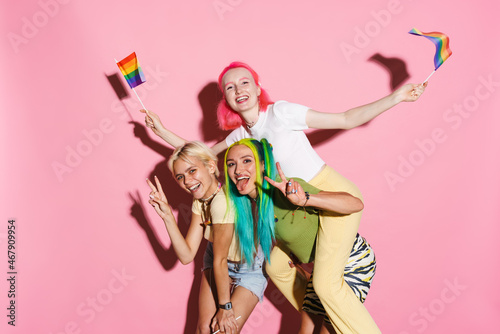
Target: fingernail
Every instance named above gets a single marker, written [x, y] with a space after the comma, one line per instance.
[151, 196]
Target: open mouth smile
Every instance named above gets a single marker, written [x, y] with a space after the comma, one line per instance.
[241, 99]
[194, 188]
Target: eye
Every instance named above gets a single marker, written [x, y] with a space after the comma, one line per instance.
[179, 177]
[245, 82]
[247, 161]
[192, 171]
[230, 164]
[229, 87]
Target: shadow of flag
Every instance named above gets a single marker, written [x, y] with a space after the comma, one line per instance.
[116, 83]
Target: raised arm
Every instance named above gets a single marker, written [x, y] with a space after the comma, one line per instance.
[223, 235]
[185, 248]
[154, 123]
[360, 115]
[339, 202]
[219, 147]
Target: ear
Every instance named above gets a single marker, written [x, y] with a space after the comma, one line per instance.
[259, 90]
[211, 167]
[262, 167]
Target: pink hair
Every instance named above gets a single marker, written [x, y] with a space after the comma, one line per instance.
[227, 117]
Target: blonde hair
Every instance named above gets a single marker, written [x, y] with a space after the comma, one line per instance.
[194, 149]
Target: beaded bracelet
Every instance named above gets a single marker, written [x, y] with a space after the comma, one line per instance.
[307, 198]
[303, 206]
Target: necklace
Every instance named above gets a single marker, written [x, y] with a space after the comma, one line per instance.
[205, 207]
[251, 124]
[219, 186]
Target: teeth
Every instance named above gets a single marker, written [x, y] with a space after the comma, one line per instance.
[242, 178]
[194, 187]
[242, 98]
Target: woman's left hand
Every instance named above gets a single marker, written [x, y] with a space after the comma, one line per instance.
[159, 201]
[226, 322]
[291, 189]
[410, 92]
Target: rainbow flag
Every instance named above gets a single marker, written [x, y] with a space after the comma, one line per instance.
[442, 43]
[130, 68]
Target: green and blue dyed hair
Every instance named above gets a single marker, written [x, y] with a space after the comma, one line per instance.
[244, 222]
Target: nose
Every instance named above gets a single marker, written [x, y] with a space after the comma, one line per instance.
[187, 179]
[236, 170]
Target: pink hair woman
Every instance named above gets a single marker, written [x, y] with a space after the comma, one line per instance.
[194, 166]
[247, 109]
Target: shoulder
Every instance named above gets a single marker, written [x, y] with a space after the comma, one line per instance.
[218, 209]
[196, 206]
[235, 135]
[219, 200]
[282, 105]
[291, 113]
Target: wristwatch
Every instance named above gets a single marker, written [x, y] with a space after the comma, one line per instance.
[226, 306]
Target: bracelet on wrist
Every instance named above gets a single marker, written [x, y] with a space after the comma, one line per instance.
[303, 206]
[307, 198]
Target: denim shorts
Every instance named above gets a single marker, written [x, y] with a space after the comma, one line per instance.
[251, 277]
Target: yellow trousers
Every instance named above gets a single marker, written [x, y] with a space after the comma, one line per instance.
[336, 235]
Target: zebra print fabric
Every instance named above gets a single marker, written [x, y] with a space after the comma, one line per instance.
[358, 274]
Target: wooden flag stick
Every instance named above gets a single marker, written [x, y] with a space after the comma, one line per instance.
[429, 76]
[142, 104]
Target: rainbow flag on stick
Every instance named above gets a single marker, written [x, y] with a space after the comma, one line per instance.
[130, 68]
[442, 43]
[132, 72]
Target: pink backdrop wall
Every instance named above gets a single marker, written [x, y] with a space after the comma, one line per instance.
[93, 257]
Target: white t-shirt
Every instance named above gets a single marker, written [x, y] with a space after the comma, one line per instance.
[282, 125]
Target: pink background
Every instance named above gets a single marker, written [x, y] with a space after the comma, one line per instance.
[93, 257]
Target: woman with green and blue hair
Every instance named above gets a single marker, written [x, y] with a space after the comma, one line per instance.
[273, 211]
[253, 230]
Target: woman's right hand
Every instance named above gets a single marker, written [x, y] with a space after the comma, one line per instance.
[226, 322]
[290, 188]
[158, 200]
[153, 122]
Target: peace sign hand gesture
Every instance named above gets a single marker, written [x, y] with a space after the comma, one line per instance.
[291, 189]
[159, 201]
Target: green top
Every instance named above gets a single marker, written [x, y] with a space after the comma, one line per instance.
[296, 231]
